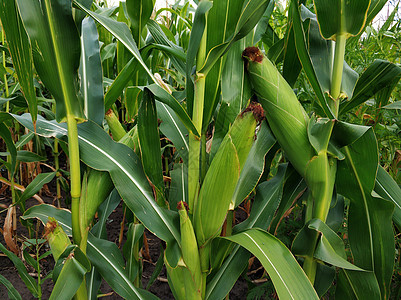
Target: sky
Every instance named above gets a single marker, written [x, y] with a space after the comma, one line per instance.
[380, 18]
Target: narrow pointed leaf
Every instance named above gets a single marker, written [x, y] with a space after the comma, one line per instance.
[91, 72]
[30, 283]
[20, 50]
[100, 152]
[194, 42]
[121, 32]
[160, 38]
[343, 17]
[6, 135]
[370, 230]
[288, 278]
[254, 164]
[235, 91]
[139, 12]
[388, 189]
[149, 142]
[168, 99]
[111, 266]
[377, 76]
[56, 50]
[12, 292]
[172, 127]
[73, 270]
[36, 185]
[306, 61]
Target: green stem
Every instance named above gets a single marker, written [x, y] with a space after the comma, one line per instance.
[197, 118]
[337, 74]
[229, 222]
[58, 174]
[203, 163]
[75, 175]
[204, 255]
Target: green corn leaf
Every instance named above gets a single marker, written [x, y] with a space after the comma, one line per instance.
[6, 135]
[93, 278]
[56, 51]
[100, 152]
[91, 72]
[120, 31]
[388, 189]
[149, 142]
[132, 100]
[75, 265]
[362, 284]
[23, 140]
[294, 187]
[131, 250]
[379, 75]
[20, 50]
[120, 83]
[239, 23]
[168, 99]
[235, 91]
[12, 292]
[254, 164]
[104, 255]
[193, 46]
[329, 249]
[30, 283]
[28, 156]
[287, 276]
[342, 17]
[172, 127]
[179, 185]
[394, 105]
[306, 61]
[370, 230]
[139, 12]
[36, 185]
[268, 195]
[374, 8]
[267, 200]
[160, 38]
[322, 56]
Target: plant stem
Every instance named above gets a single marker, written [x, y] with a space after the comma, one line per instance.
[75, 175]
[58, 174]
[336, 77]
[197, 118]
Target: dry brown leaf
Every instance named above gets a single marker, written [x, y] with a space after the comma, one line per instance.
[8, 231]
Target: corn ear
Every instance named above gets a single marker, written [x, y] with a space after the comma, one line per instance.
[96, 186]
[190, 254]
[117, 130]
[223, 174]
[57, 238]
[287, 118]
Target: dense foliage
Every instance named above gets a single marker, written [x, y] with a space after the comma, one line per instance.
[231, 130]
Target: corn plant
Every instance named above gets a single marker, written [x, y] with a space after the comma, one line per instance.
[209, 77]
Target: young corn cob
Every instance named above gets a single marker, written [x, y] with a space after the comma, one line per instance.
[286, 116]
[190, 255]
[57, 238]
